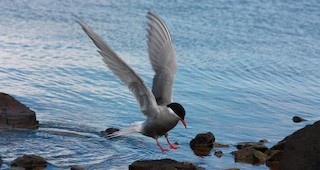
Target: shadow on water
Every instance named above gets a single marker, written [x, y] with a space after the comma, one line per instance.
[66, 145]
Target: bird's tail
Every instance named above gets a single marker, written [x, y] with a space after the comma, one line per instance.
[133, 128]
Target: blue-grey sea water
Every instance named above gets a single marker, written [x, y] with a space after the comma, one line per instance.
[245, 68]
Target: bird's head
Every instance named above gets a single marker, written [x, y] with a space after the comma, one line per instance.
[179, 111]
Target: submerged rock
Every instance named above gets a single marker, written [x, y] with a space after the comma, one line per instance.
[14, 114]
[202, 151]
[77, 167]
[30, 162]
[218, 154]
[249, 155]
[163, 164]
[255, 145]
[108, 131]
[219, 145]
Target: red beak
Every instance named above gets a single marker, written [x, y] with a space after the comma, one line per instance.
[184, 123]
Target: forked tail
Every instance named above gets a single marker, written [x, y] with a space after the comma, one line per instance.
[133, 128]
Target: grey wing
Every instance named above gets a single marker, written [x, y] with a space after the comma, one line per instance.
[136, 85]
[163, 59]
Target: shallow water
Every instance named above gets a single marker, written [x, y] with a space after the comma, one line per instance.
[245, 69]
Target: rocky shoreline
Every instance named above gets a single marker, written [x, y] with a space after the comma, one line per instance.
[300, 150]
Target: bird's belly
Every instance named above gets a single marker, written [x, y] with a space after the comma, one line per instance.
[156, 130]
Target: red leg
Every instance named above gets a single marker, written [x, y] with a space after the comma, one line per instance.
[171, 146]
[162, 149]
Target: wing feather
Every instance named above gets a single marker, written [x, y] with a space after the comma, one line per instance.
[136, 85]
[163, 59]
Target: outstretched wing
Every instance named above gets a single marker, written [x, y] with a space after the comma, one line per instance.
[136, 85]
[162, 57]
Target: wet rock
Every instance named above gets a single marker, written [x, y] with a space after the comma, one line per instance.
[249, 155]
[274, 155]
[108, 131]
[30, 162]
[202, 144]
[263, 141]
[0, 161]
[163, 164]
[203, 140]
[232, 169]
[218, 154]
[219, 145]
[273, 159]
[302, 149]
[77, 167]
[297, 119]
[255, 145]
[14, 115]
[202, 151]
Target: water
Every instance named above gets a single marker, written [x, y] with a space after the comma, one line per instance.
[245, 68]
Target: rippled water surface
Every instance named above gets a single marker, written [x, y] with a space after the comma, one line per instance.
[245, 68]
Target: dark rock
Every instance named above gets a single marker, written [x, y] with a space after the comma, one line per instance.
[297, 119]
[0, 161]
[218, 154]
[202, 144]
[273, 159]
[255, 145]
[77, 167]
[108, 131]
[203, 139]
[232, 169]
[274, 155]
[202, 151]
[249, 155]
[302, 149]
[30, 162]
[15, 115]
[163, 164]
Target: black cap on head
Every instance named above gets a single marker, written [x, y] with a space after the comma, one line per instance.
[178, 109]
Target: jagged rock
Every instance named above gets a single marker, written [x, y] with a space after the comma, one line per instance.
[163, 164]
[274, 155]
[202, 144]
[273, 159]
[14, 114]
[218, 154]
[30, 162]
[255, 145]
[249, 155]
[109, 131]
[302, 149]
[77, 167]
[203, 140]
[297, 119]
